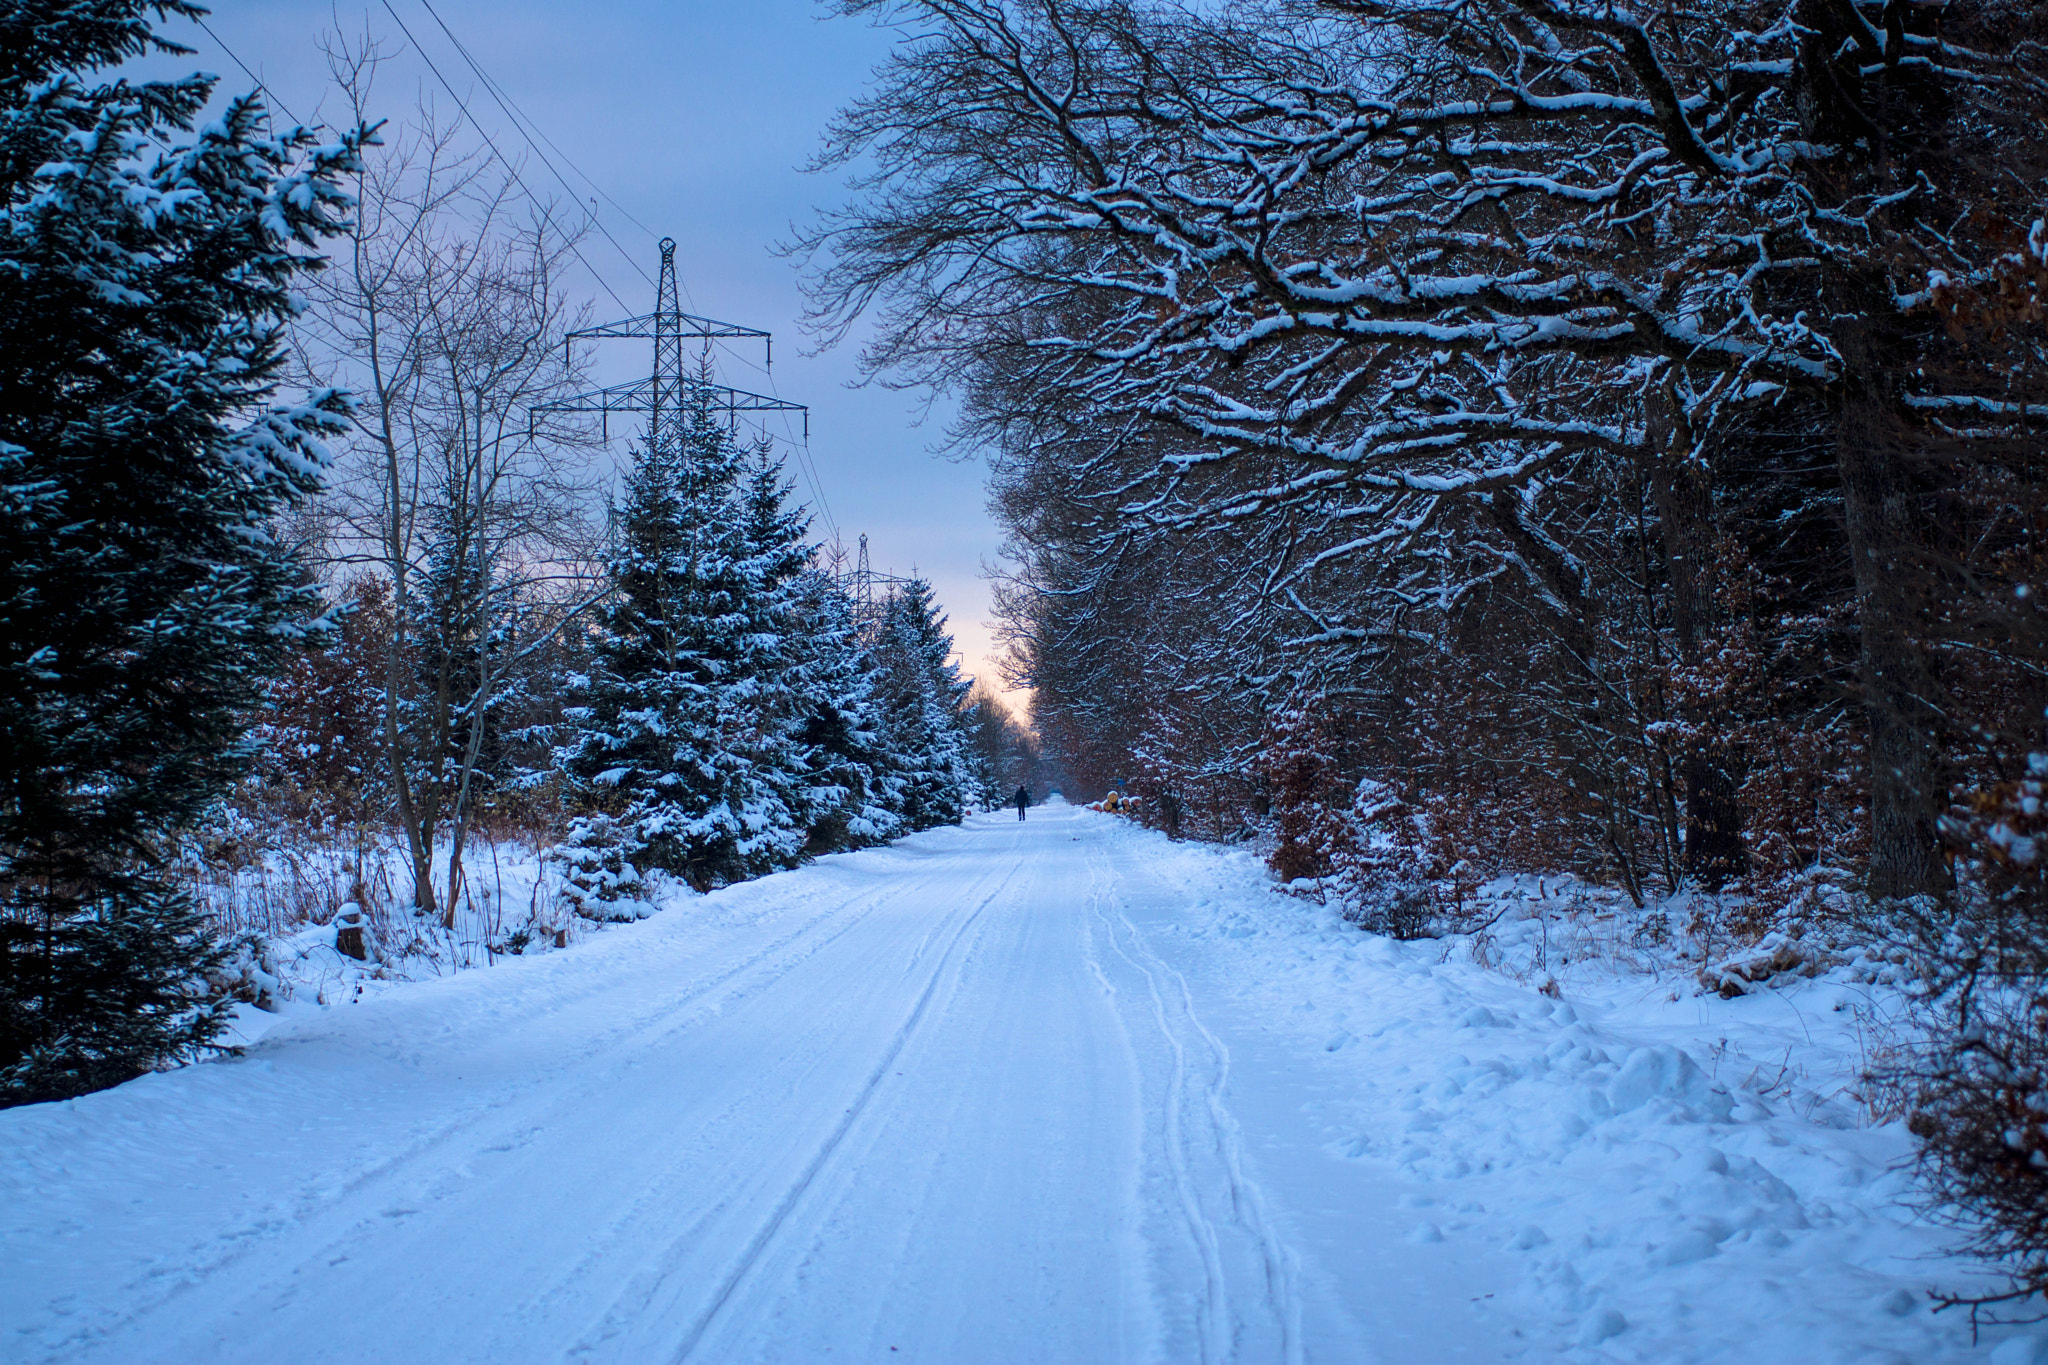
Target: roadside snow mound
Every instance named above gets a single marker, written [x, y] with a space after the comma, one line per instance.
[1682, 1176]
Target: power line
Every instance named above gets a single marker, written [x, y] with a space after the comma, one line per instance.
[520, 121]
[525, 122]
[806, 462]
[528, 129]
[245, 68]
[510, 168]
[810, 470]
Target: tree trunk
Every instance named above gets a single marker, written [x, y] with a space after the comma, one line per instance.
[1888, 530]
[1592, 722]
[418, 826]
[1683, 490]
[1900, 683]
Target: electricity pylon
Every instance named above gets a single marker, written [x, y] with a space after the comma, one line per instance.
[860, 586]
[668, 395]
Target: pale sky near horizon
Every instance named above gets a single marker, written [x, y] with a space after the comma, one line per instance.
[695, 116]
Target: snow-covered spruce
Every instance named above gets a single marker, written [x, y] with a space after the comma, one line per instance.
[737, 717]
[922, 693]
[678, 734]
[146, 276]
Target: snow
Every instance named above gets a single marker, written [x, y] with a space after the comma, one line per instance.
[1675, 1176]
[1042, 1091]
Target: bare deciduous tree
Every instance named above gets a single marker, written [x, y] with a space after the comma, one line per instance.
[446, 317]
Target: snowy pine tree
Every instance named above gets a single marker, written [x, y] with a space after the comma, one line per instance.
[143, 602]
[459, 611]
[924, 732]
[682, 735]
[770, 689]
[854, 796]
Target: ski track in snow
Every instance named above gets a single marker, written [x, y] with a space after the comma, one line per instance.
[1045, 1092]
[1205, 1134]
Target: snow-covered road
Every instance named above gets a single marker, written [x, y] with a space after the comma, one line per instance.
[1057, 1093]
[941, 1102]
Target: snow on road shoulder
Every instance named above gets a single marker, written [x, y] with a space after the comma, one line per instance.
[1678, 1176]
[118, 1199]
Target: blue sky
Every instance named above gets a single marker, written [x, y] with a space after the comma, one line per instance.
[696, 116]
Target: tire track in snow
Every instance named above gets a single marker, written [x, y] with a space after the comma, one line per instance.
[763, 1237]
[1214, 1316]
[1214, 1134]
[646, 1284]
[226, 1250]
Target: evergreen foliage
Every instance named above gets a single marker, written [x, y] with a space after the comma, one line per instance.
[322, 733]
[739, 716]
[684, 734]
[143, 601]
[855, 795]
[459, 608]
[117, 986]
[924, 730]
[768, 695]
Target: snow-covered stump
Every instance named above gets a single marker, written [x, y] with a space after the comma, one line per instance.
[348, 932]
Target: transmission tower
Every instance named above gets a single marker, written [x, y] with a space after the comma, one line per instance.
[863, 582]
[860, 587]
[667, 396]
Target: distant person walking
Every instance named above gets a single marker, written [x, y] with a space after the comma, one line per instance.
[1023, 799]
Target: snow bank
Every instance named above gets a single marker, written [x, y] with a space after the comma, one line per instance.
[1678, 1176]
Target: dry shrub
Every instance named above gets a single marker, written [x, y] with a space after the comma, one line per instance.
[1976, 1093]
[323, 759]
[1300, 771]
[1370, 847]
[1192, 779]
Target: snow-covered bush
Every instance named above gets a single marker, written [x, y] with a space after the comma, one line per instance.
[599, 882]
[1372, 853]
[1385, 874]
[1306, 828]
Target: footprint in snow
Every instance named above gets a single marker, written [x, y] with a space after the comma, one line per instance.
[1600, 1326]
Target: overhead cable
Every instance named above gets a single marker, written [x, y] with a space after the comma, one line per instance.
[519, 122]
[221, 43]
[534, 136]
[510, 168]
